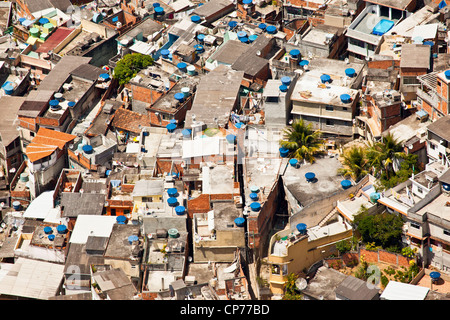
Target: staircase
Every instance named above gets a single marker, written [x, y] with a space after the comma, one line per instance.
[328, 217]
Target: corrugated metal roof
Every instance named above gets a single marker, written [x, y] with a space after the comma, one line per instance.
[404, 291]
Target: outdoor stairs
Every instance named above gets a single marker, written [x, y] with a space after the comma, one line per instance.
[328, 217]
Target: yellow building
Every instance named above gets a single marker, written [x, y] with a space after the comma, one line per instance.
[297, 248]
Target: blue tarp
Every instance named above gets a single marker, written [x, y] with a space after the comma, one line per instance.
[442, 4]
[382, 27]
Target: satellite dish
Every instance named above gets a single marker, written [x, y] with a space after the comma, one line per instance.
[301, 284]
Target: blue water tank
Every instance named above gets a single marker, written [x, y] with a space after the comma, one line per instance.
[171, 127]
[179, 96]
[51, 237]
[180, 210]
[301, 227]
[43, 21]
[87, 149]
[346, 184]
[346, 98]
[262, 26]
[132, 239]
[239, 125]
[8, 88]
[172, 192]
[286, 81]
[16, 205]
[121, 219]
[295, 53]
[254, 196]
[195, 19]
[446, 187]
[232, 24]
[284, 152]
[165, 53]
[182, 66]
[231, 138]
[48, 230]
[310, 176]
[243, 39]
[293, 162]
[283, 88]
[186, 133]
[241, 34]
[199, 48]
[62, 229]
[201, 37]
[304, 63]
[53, 103]
[252, 37]
[239, 221]
[159, 10]
[255, 206]
[247, 2]
[71, 104]
[325, 78]
[156, 4]
[350, 72]
[271, 29]
[172, 202]
[447, 74]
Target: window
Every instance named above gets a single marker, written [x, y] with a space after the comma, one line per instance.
[329, 123]
[147, 199]
[329, 108]
[345, 108]
[419, 190]
[410, 80]
[113, 212]
[415, 225]
[447, 232]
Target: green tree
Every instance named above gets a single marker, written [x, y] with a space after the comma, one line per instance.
[303, 142]
[344, 246]
[355, 163]
[383, 230]
[130, 65]
[290, 288]
[381, 155]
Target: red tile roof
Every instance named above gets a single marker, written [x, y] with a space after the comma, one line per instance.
[46, 142]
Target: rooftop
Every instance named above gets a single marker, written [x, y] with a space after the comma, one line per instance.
[9, 106]
[440, 127]
[415, 56]
[118, 245]
[46, 142]
[328, 181]
[29, 278]
[59, 74]
[215, 97]
[74, 204]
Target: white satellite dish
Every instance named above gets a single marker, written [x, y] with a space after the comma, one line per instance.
[301, 284]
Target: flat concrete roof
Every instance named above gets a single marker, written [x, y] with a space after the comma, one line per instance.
[328, 181]
[215, 97]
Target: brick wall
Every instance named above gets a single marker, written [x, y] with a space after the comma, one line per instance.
[352, 258]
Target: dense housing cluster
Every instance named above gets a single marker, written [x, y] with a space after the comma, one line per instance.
[224, 149]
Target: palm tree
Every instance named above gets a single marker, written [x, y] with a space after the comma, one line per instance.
[302, 141]
[355, 163]
[383, 154]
